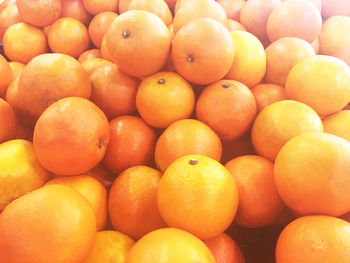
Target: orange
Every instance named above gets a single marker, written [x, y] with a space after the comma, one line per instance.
[254, 15]
[338, 124]
[93, 64]
[103, 175]
[316, 45]
[316, 180]
[22, 42]
[344, 54]
[158, 7]
[8, 17]
[249, 64]
[16, 68]
[193, 10]
[48, 78]
[232, 8]
[190, 51]
[92, 190]
[233, 25]
[132, 143]
[95, 7]
[6, 3]
[328, 77]
[175, 245]
[52, 224]
[113, 91]
[225, 249]
[139, 42]
[184, 199]
[294, 18]
[185, 137]
[238, 147]
[68, 36]
[335, 8]
[163, 98]
[20, 171]
[99, 25]
[123, 5]
[266, 94]
[282, 55]
[104, 50]
[259, 202]
[110, 246]
[83, 143]
[316, 238]
[317, 3]
[132, 202]
[5, 76]
[89, 54]
[228, 107]
[8, 122]
[75, 9]
[274, 126]
[24, 132]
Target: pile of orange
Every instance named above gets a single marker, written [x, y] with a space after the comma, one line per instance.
[174, 131]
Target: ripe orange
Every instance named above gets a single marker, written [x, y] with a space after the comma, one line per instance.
[75, 9]
[24, 132]
[175, 245]
[164, 98]
[132, 143]
[16, 68]
[266, 94]
[113, 91]
[132, 202]
[123, 5]
[238, 147]
[93, 64]
[338, 124]
[316, 45]
[233, 25]
[8, 122]
[22, 42]
[294, 18]
[8, 17]
[316, 239]
[99, 26]
[68, 36]
[185, 137]
[52, 224]
[232, 7]
[89, 54]
[184, 199]
[274, 126]
[335, 8]
[139, 42]
[315, 180]
[95, 7]
[228, 107]
[5, 76]
[328, 77]
[6, 3]
[104, 50]
[83, 143]
[190, 51]
[282, 55]
[344, 54]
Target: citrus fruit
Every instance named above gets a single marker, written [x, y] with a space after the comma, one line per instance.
[338, 124]
[266, 94]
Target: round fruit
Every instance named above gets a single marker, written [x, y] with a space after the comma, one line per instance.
[89, 54]
[338, 124]
[8, 17]
[8, 122]
[75, 9]
[232, 7]
[233, 25]
[95, 7]
[335, 8]
[99, 26]
[266, 94]
[93, 64]
[6, 76]
[16, 68]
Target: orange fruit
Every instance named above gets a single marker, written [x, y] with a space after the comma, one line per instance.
[163, 98]
[316, 45]
[158, 7]
[6, 3]
[316, 180]
[39, 13]
[92, 190]
[193, 10]
[294, 18]
[16, 68]
[335, 8]
[8, 122]
[93, 64]
[132, 143]
[8, 17]
[123, 5]
[68, 36]
[233, 25]
[266, 94]
[317, 3]
[104, 50]
[83, 143]
[113, 91]
[103, 175]
[22, 42]
[89, 54]
[48, 78]
[254, 15]
[95, 7]
[344, 54]
[99, 26]
[249, 64]
[52, 224]
[110, 246]
[175, 245]
[185, 137]
[228, 107]
[259, 202]
[139, 42]
[274, 126]
[5, 76]
[328, 77]
[316, 238]
[232, 7]
[238, 147]
[24, 132]
[132, 202]
[190, 51]
[225, 249]
[20, 171]
[75, 9]
[338, 124]
[183, 196]
[282, 55]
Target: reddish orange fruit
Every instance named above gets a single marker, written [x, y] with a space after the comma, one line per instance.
[238, 147]
[8, 17]
[338, 124]
[24, 132]
[16, 68]
[99, 25]
[8, 122]
[232, 7]
[335, 8]
[89, 54]
[95, 7]
[123, 5]
[75, 9]
[6, 76]
[266, 94]
[93, 64]
[233, 25]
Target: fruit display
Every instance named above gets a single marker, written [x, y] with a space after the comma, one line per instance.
[175, 131]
